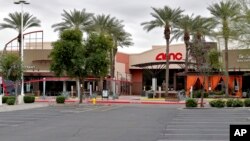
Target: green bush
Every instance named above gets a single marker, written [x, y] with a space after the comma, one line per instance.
[60, 99]
[4, 99]
[247, 102]
[191, 102]
[229, 102]
[197, 94]
[10, 101]
[217, 103]
[29, 99]
[238, 103]
[206, 95]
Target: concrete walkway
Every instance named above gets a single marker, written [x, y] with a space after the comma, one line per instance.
[121, 100]
[6, 108]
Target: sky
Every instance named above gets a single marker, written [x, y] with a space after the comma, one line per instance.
[131, 12]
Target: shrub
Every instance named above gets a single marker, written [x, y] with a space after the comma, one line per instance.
[197, 94]
[29, 99]
[238, 103]
[229, 102]
[217, 103]
[10, 101]
[60, 99]
[4, 99]
[191, 102]
[206, 95]
[247, 102]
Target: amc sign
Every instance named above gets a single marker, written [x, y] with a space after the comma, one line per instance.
[171, 56]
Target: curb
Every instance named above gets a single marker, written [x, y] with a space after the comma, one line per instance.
[116, 102]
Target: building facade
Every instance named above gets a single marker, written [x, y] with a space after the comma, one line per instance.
[134, 73]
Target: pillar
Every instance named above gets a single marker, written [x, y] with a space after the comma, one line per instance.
[174, 81]
[64, 86]
[154, 84]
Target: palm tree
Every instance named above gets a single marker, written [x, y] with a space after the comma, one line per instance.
[183, 29]
[14, 22]
[74, 20]
[202, 28]
[243, 24]
[78, 20]
[110, 26]
[164, 17]
[225, 13]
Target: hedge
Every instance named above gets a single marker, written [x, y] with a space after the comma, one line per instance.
[10, 101]
[247, 102]
[217, 103]
[238, 103]
[5, 98]
[60, 99]
[191, 102]
[29, 99]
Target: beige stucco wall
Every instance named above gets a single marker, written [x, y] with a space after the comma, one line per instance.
[150, 56]
[36, 60]
[38, 45]
[238, 59]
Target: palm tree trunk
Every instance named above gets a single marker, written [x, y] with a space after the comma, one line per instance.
[167, 68]
[113, 61]
[226, 65]
[112, 74]
[186, 66]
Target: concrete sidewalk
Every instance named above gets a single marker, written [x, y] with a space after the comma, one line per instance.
[6, 108]
[121, 100]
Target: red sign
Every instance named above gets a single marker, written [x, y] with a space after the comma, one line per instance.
[171, 56]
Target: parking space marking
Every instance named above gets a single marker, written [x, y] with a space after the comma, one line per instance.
[192, 134]
[112, 108]
[9, 125]
[205, 129]
[190, 125]
[191, 140]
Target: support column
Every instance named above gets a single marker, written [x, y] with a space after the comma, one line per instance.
[174, 81]
[154, 84]
[44, 87]
[64, 86]
[94, 88]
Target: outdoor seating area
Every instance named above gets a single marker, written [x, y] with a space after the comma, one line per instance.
[215, 83]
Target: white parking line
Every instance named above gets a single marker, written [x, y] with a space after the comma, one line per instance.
[187, 129]
[111, 108]
[222, 122]
[167, 134]
[9, 125]
[82, 110]
[189, 140]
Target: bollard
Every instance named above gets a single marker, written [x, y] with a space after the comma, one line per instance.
[94, 101]
[1, 103]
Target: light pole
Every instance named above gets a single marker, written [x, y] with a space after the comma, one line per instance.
[22, 2]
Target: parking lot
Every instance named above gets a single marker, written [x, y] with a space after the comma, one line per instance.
[120, 123]
[204, 124]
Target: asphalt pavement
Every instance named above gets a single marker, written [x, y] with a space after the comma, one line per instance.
[120, 122]
[86, 123]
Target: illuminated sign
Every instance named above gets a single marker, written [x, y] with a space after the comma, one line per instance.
[171, 56]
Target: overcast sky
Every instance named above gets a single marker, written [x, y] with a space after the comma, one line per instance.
[132, 12]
